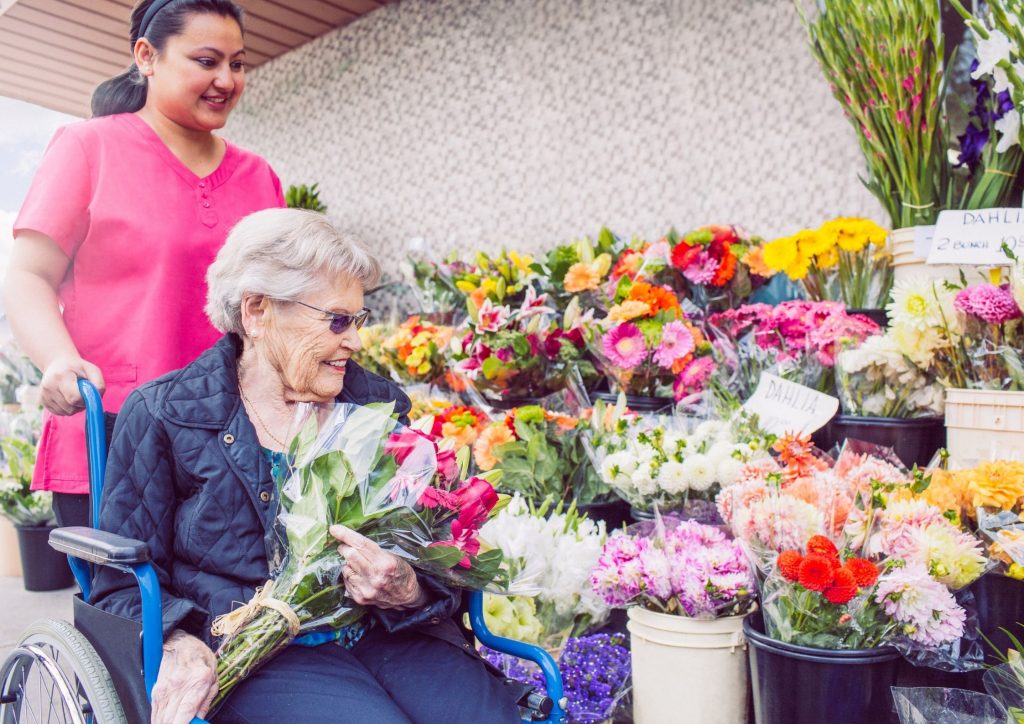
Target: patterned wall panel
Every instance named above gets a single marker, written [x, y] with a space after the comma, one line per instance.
[525, 123]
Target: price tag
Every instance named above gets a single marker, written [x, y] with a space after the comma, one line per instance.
[977, 237]
[782, 406]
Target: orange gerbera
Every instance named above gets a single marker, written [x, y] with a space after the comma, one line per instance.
[726, 269]
[582, 277]
[754, 259]
[628, 264]
[564, 422]
[657, 298]
[490, 438]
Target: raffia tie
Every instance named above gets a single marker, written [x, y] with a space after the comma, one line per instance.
[227, 624]
[1000, 172]
[916, 206]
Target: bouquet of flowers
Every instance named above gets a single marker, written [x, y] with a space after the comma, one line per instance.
[536, 451]
[642, 261]
[711, 260]
[595, 675]
[414, 351]
[457, 426]
[435, 284]
[355, 466]
[548, 555]
[504, 279]
[371, 356]
[18, 502]
[845, 260]
[796, 340]
[647, 345]
[877, 379]
[884, 64]
[578, 268]
[685, 568]
[655, 463]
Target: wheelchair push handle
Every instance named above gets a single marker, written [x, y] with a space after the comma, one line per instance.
[95, 443]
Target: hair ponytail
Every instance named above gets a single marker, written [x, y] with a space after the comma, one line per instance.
[126, 92]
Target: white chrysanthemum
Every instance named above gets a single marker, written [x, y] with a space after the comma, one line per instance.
[700, 473]
[672, 477]
[617, 469]
[729, 470]
[919, 303]
[709, 429]
[644, 480]
[719, 452]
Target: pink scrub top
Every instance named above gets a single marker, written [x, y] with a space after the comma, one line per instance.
[140, 229]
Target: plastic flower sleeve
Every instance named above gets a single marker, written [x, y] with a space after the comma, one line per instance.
[934, 705]
[1006, 685]
[354, 466]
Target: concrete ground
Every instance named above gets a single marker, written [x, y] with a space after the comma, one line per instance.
[19, 608]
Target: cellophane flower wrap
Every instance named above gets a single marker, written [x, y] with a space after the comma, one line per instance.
[648, 346]
[355, 466]
[660, 462]
[1002, 704]
[548, 554]
[714, 264]
[844, 260]
[875, 379]
[436, 286]
[795, 340]
[684, 568]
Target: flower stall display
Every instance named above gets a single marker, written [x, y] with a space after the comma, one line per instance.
[456, 426]
[435, 284]
[536, 450]
[714, 262]
[354, 466]
[884, 64]
[548, 554]
[648, 347]
[595, 675]
[876, 379]
[688, 588]
[371, 356]
[579, 268]
[642, 261]
[414, 351]
[656, 464]
[844, 260]
[796, 340]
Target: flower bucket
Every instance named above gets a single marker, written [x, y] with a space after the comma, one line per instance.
[983, 424]
[43, 568]
[877, 315]
[803, 685]
[687, 665]
[614, 513]
[636, 403]
[10, 561]
[1000, 602]
[908, 264]
[915, 439]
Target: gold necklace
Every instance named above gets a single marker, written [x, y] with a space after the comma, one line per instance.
[260, 419]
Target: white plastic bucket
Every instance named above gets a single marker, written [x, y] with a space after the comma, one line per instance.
[908, 264]
[984, 425]
[687, 670]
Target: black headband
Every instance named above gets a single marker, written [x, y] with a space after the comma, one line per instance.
[156, 7]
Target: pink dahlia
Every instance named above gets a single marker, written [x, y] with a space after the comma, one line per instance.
[988, 302]
[676, 342]
[624, 345]
[693, 377]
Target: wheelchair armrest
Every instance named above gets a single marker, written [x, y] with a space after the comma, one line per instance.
[99, 546]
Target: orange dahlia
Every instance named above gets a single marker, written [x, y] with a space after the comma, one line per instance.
[821, 546]
[816, 573]
[843, 588]
[789, 564]
[864, 572]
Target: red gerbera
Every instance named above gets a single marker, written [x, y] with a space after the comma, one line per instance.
[816, 573]
[843, 588]
[864, 572]
[684, 254]
[789, 565]
[821, 546]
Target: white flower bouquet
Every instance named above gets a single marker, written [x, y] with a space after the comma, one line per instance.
[876, 379]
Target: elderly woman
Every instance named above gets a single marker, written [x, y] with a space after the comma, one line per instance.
[189, 472]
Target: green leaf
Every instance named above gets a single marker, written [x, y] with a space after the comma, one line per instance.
[490, 367]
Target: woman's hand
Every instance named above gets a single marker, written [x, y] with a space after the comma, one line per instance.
[59, 387]
[374, 577]
[187, 681]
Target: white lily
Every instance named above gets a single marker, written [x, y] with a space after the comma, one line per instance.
[1008, 128]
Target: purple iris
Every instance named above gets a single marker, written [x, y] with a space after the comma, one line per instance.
[972, 143]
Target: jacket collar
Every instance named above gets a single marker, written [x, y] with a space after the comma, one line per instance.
[205, 393]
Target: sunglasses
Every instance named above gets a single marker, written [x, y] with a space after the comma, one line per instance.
[340, 322]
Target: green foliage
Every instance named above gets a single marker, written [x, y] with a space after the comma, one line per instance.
[304, 197]
[18, 502]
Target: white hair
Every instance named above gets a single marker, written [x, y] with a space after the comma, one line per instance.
[282, 253]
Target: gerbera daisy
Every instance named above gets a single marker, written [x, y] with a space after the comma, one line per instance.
[582, 277]
[624, 345]
[676, 341]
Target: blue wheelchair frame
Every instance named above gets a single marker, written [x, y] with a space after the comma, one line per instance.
[85, 547]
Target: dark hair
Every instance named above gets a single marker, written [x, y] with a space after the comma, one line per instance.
[126, 92]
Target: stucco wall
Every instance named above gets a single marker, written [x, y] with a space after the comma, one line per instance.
[480, 123]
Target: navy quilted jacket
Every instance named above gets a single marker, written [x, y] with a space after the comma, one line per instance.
[185, 474]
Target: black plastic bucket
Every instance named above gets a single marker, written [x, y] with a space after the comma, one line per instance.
[42, 568]
[1000, 602]
[804, 685]
[876, 315]
[614, 513]
[915, 440]
[636, 403]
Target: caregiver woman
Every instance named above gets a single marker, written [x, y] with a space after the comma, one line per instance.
[123, 218]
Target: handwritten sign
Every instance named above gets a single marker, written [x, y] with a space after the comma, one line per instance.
[977, 237]
[923, 240]
[782, 406]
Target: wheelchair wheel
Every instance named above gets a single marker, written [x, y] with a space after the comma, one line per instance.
[55, 676]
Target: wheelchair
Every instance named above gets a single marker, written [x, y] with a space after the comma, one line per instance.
[102, 669]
